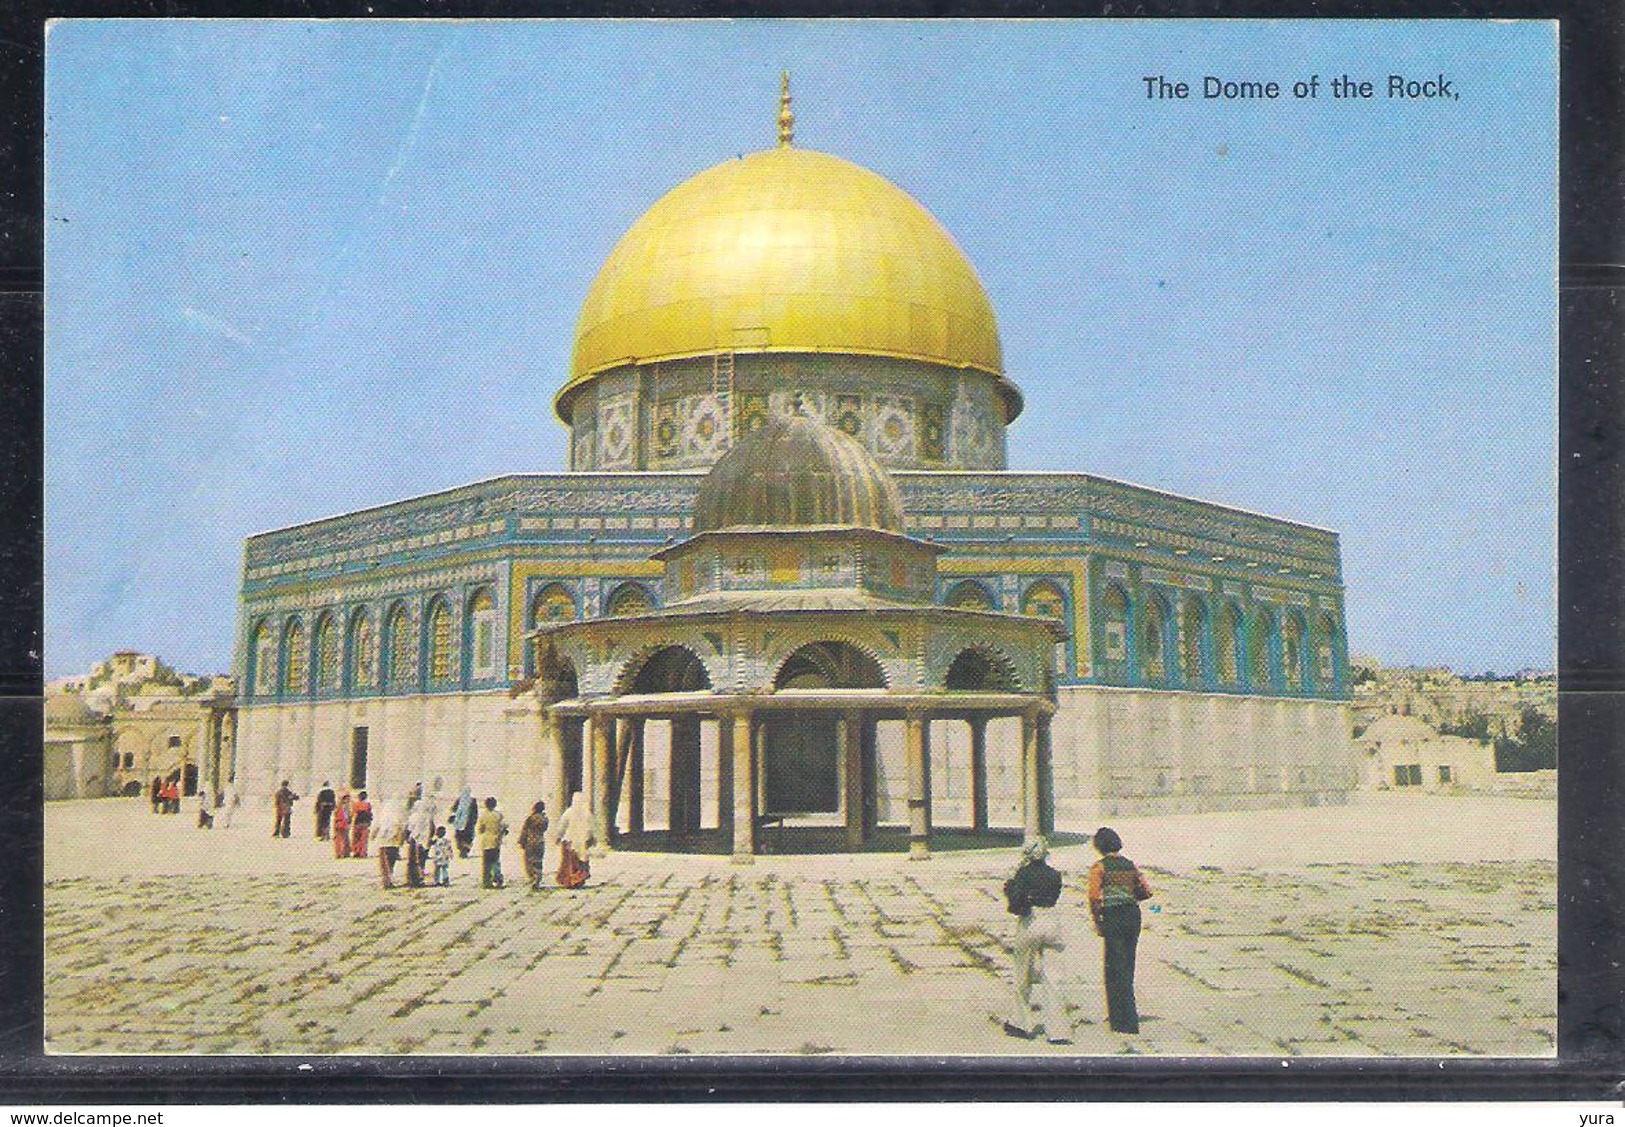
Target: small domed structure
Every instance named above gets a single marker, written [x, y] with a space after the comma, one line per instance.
[68, 710]
[795, 472]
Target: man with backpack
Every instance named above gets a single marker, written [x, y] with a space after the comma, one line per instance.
[1030, 895]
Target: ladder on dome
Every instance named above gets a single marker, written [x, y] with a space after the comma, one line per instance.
[722, 386]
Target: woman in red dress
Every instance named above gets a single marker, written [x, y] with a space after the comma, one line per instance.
[360, 825]
[341, 827]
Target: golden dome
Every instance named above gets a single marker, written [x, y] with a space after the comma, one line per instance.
[786, 250]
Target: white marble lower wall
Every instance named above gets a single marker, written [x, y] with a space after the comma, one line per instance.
[1114, 751]
[487, 741]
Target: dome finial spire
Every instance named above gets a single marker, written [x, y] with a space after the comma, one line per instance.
[787, 120]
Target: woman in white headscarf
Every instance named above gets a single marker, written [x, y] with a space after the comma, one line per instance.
[1032, 893]
[464, 813]
[573, 832]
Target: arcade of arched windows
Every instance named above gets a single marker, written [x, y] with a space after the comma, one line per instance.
[362, 649]
[1188, 640]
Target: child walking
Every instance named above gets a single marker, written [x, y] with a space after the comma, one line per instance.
[440, 857]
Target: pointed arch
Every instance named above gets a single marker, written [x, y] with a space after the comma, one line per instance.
[1195, 642]
[1229, 644]
[556, 677]
[437, 641]
[397, 660]
[628, 599]
[830, 665]
[325, 652]
[1116, 628]
[970, 594]
[553, 603]
[664, 669]
[1262, 662]
[982, 669]
[1328, 666]
[262, 647]
[360, 651]
[294, 668]
[1044, 599]
[480, 636]
[1155, 623]
[1294, 652]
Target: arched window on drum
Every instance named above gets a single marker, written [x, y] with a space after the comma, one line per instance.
[481, 643]
[293, 657]
[628, 599]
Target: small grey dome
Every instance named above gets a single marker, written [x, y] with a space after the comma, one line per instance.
[797, 472]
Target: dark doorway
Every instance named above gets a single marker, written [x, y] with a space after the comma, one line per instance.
[800, 774]
[572, 760]
[189, 780]
[358, 758]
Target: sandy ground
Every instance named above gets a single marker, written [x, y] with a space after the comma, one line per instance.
[1410, 925]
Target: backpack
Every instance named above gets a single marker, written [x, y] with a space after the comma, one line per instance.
[1035, 885]
[1046, 891]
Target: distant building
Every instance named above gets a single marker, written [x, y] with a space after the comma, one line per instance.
[79, 757]
[134, 718]
[1444, 699]
[1405, 753]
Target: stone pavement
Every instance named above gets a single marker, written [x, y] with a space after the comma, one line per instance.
[165, 939]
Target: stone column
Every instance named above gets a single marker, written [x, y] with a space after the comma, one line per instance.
[684, 785]
[978, 772]
[744, 791]
[634, 779]
[1030, 820]
[601, 733]
[919, 826]
[557, 800]
[1045, 767]
[851, 740]
[198, 755]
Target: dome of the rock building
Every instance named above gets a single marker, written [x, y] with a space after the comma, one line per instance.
[797, 472]
[786, 250]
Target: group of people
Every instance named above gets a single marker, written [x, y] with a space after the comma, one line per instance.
[165, 795]
[411, 830]
[1115, 889]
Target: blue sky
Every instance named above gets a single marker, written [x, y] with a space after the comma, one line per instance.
[298, 268]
